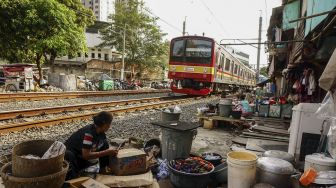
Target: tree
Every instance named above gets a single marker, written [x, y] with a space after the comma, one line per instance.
[264, 71]
[144, 44]
[38, 31]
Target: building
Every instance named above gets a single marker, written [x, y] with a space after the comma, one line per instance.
[301, 39]
[95, 60]
[241, 56]
[102, 9]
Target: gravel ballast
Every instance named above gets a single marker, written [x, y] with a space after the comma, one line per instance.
[129, 125]
[19, 105]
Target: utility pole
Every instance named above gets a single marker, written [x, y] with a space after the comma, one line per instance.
[123, 55]
[184, 26]
[259, 44]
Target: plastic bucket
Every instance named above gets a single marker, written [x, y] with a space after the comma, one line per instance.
[224, 110]
[242, 167]
[166, 116]
[176, 144]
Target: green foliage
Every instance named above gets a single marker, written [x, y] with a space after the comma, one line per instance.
[144, 45]
[40, 30]
[264, 71]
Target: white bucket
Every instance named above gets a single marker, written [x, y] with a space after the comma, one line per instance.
[226, 101]
[242, 168]
[319, 162]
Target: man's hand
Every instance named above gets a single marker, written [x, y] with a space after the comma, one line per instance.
[112, 152]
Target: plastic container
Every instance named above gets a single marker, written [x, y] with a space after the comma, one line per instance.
[308, 177]
[215, 161]
[106, 85]
[29, 168]
[224, 110]
[242, 168]
[226, 101]
[319, 162]
[188, 180]
[263, 110]
[176, 144]
[55, 180]
[170, 116]
[220, 174]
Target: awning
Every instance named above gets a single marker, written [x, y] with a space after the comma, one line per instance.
[327, 80]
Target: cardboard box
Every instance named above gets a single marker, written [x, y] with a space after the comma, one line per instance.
[208, 123]
[142, 180]
[129, 162]
[85, 182]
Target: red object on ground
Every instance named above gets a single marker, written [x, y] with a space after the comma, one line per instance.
[308, 177]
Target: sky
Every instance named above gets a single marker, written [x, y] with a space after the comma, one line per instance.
[218, 19]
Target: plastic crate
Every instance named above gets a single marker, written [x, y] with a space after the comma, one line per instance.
[275, 111]
[263, 110]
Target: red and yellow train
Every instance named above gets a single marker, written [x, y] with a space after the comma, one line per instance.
[200, 66]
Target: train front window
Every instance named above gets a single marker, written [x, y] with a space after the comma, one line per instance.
[198, 48]
[178, 48]
[192, 51]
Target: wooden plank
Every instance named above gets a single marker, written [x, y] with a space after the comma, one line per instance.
[220, 118]
[276, 126]
[266, 136]
[265, 145]
[263, 138]
[271, 130]
[240, 140]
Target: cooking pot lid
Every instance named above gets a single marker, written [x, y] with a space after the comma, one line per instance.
[279, 154]
[275, 165]
[326, 178]
[320, 158]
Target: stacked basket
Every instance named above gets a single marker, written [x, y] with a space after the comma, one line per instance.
[26, 172]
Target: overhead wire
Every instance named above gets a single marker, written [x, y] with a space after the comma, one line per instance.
[164, 21]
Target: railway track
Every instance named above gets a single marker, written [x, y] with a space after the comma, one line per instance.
[154, 103]
[10, 97]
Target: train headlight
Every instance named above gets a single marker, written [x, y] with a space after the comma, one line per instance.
[201, 84]
[173, 68]
[205, 70]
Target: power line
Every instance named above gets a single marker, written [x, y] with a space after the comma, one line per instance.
[169, 24]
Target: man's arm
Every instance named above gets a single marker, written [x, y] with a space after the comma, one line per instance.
[88, 154]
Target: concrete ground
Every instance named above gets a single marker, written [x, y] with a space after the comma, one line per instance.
[216, 140]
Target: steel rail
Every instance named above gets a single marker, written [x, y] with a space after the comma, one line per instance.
[9, 97]
[5, 115]
[64, 119]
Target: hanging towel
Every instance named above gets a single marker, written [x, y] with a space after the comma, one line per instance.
[312, 84]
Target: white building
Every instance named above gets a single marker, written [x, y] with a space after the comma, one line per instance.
[102, 9]
[241, 56]
[93, 41]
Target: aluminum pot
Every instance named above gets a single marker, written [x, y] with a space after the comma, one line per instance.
[274, 171]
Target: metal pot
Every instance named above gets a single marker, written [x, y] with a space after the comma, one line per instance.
[280, 155]
[274, 171]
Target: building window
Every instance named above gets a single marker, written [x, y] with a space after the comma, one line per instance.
[79, 54]
[106, 57]
[96, 1]
[96, 12]
[86, 55]
[92, 55]
[99, 50]
[99, 55]
[92, 49]
[96, 6]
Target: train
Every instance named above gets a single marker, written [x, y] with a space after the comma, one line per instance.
[198, 65]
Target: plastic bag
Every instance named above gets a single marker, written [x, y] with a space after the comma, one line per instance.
[163, 171]
[332, 139]
[56, 149]
[327, 108]
[177, 109]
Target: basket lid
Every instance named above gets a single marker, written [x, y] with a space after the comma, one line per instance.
[279, 154]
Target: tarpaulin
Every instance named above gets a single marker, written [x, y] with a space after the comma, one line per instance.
[327, 80]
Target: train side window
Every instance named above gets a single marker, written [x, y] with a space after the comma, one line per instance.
[236, 69]
[222, 60]
[232, 67]
[227, 65]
